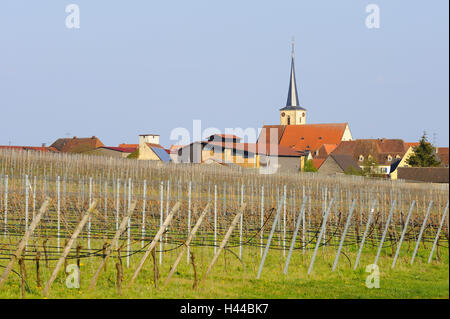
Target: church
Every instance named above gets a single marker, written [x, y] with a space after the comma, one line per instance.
[293, 132]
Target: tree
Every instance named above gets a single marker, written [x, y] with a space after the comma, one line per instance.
[424, 154]
[353, 171]
[135, 154]
[369, 168]
[309, 167]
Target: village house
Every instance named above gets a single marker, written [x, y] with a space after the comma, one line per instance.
[150, 149]
[441, 154]
[383, 152]
[336, 164]
[173, 153]
[111, 151]
[322, 154]
[403, 162]
[227, 149]
[77, 145]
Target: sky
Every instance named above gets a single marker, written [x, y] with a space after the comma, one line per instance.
[141, 66]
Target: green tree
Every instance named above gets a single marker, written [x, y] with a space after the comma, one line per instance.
[135, 154]
[369, 167]
[353, 171]
[424, 154]
[309, 167]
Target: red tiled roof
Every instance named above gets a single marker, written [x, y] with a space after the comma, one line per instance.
[174, 148]
[443, 153]
[271, 134]
[325, 150]
[413, 144]
[77, 145]
[317, 162]
[312, 136]
[120, 149]
[129, 145]
[392, 145]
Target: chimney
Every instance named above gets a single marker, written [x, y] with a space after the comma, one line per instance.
[43, 144]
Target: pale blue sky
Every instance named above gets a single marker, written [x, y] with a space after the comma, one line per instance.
[149, 66]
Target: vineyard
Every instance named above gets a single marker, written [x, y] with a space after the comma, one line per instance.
[144, 229]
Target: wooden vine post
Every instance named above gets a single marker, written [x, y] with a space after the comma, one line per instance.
[24, 241]
[68, 247]
[224, 241]
[186, 243]
[154, 241]
[113, 246]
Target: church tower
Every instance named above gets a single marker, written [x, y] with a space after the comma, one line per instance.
[292, 113]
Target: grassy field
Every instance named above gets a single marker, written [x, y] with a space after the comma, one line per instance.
[237, 280]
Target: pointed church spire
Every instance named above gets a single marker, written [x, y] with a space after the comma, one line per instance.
[292, 99]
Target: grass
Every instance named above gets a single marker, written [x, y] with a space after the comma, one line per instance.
[236, 280]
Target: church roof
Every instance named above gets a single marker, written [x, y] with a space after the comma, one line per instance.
[310, 137]
[271, 134]
[292, 99]
[306, 137]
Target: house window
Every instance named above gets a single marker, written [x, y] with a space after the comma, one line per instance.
[361, 158]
